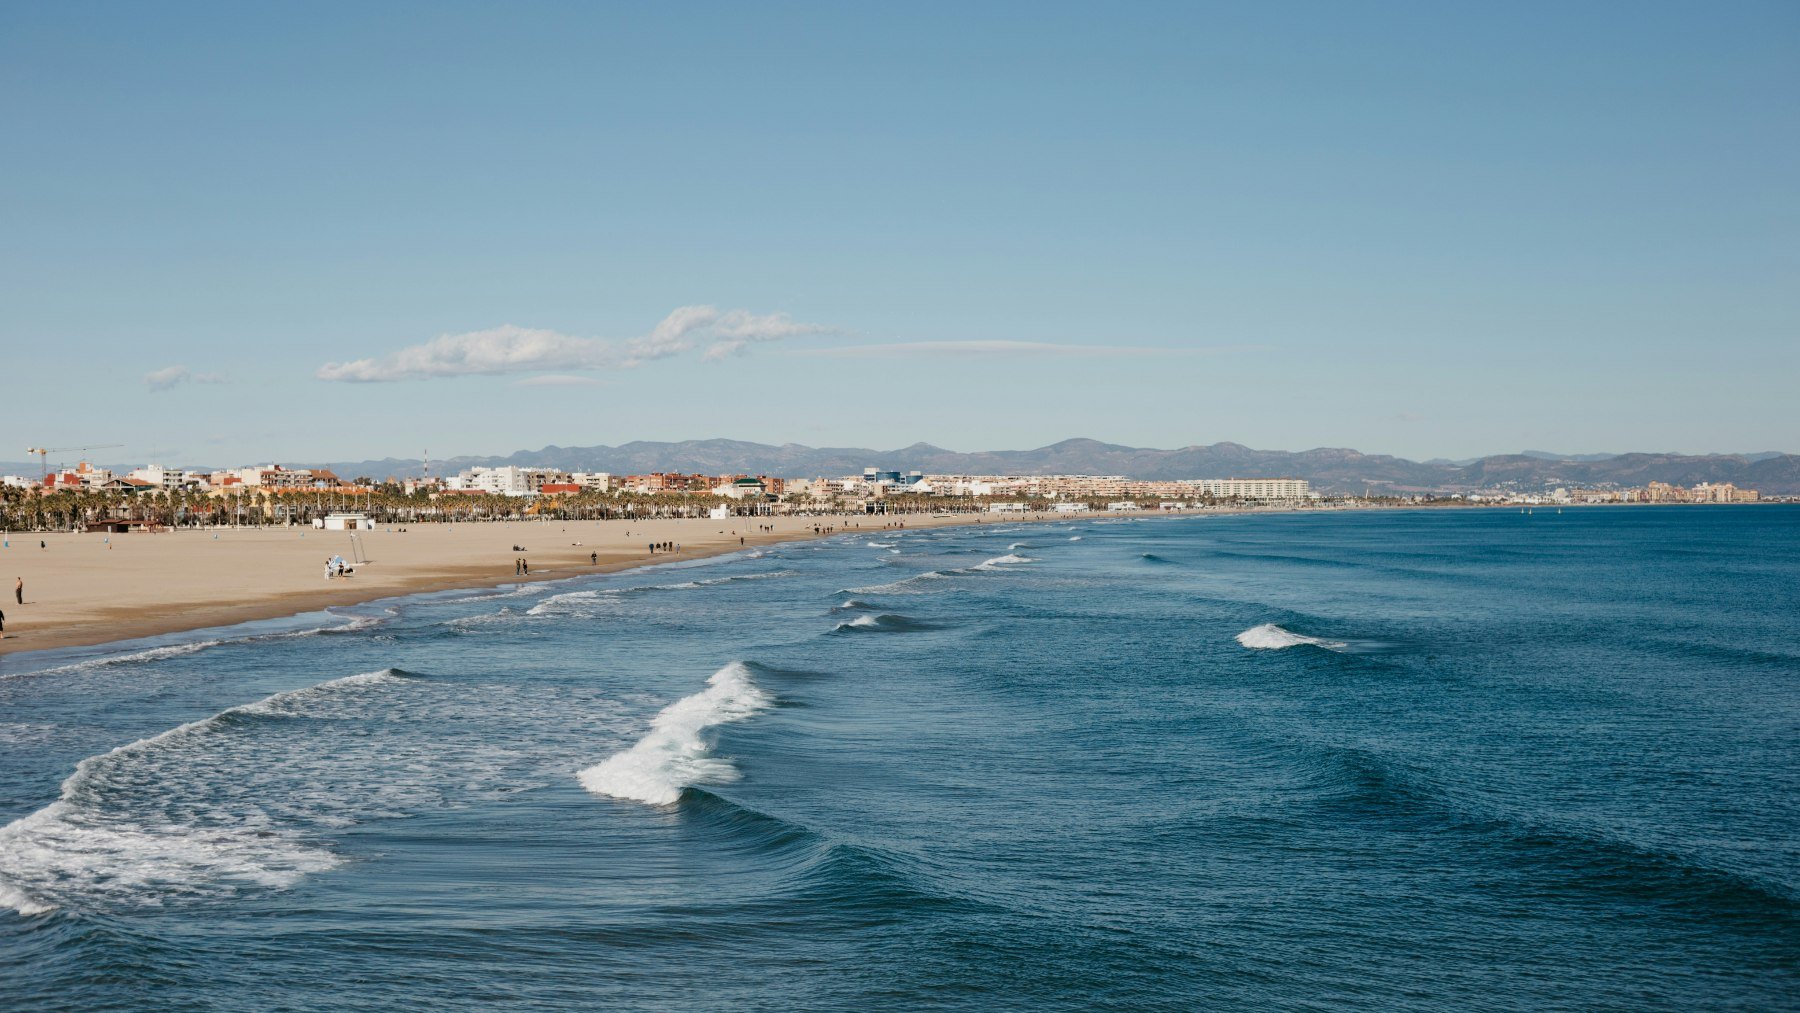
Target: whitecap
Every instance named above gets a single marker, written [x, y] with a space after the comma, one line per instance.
[1270, 637]
[674, 754]
[98, 840]
[999, 561]
[136, 657]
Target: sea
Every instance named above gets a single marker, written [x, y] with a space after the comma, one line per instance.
[1450, 759]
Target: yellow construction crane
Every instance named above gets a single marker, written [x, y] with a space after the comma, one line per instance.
[45, 452]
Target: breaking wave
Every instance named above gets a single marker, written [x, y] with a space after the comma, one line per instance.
[674, 754]
[134, 658]
[1002, 561]
[108, 838]
[1270, 637]
[563, 602]
[883, 623]
[911, 585]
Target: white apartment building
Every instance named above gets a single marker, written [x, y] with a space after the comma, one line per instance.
[167, 478]
[1253, 488]
[510, 480]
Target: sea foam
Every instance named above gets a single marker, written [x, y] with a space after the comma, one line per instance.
[135, 657]
[1010, 559]
[674, 754]
[92, 844]
[1270, 637]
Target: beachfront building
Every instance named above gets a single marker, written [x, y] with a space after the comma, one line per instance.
[510, 480]
[82, 476]
[658, 482]
[158, 477]
[275, 477]
[1722, 492]
[1254, 488]
[742, 488]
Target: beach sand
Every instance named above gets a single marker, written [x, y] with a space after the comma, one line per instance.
[85, 589]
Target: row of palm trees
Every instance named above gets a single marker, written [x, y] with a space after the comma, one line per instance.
[65, 509]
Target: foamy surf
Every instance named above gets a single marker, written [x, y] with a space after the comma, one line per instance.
[134, 658]
[998, 562]
[910, 585]
[1270, 637]
[674, 754]
[113, 836]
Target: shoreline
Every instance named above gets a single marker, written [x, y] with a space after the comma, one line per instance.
[89, 591]
[139, 594]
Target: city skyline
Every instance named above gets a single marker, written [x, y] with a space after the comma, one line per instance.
[255, 236]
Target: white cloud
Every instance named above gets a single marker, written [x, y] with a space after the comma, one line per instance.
[1024, 348]
[170, 377]
[725, 349]
[510, 349]
[556, 380]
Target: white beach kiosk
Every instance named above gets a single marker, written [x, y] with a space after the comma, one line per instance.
[347, 521]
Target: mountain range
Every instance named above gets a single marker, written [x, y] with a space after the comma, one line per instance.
[1329, 469]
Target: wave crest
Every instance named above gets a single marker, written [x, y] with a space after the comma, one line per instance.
[674, 754]
[1270, 637]
[91, 842]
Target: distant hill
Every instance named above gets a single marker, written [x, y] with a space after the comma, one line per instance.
[1330, 469]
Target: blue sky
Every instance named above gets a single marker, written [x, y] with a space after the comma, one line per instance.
[329, 232]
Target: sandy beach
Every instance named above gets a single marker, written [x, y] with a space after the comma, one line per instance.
[85, 589]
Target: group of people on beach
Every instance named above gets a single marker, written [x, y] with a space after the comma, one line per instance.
[656, 547]
[521, 566]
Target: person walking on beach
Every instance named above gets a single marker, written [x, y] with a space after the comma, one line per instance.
[2, 623]
[594, 558]
[19, 591]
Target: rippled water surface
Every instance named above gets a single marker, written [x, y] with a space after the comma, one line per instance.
[1425, 760]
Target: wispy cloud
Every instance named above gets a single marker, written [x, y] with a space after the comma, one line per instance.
[170, 377]
[1016, 348]
[511, 349]
[557, 380]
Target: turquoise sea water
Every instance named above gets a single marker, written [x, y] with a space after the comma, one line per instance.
[1383, 760]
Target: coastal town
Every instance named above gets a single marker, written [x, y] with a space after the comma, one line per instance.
[153, 495]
